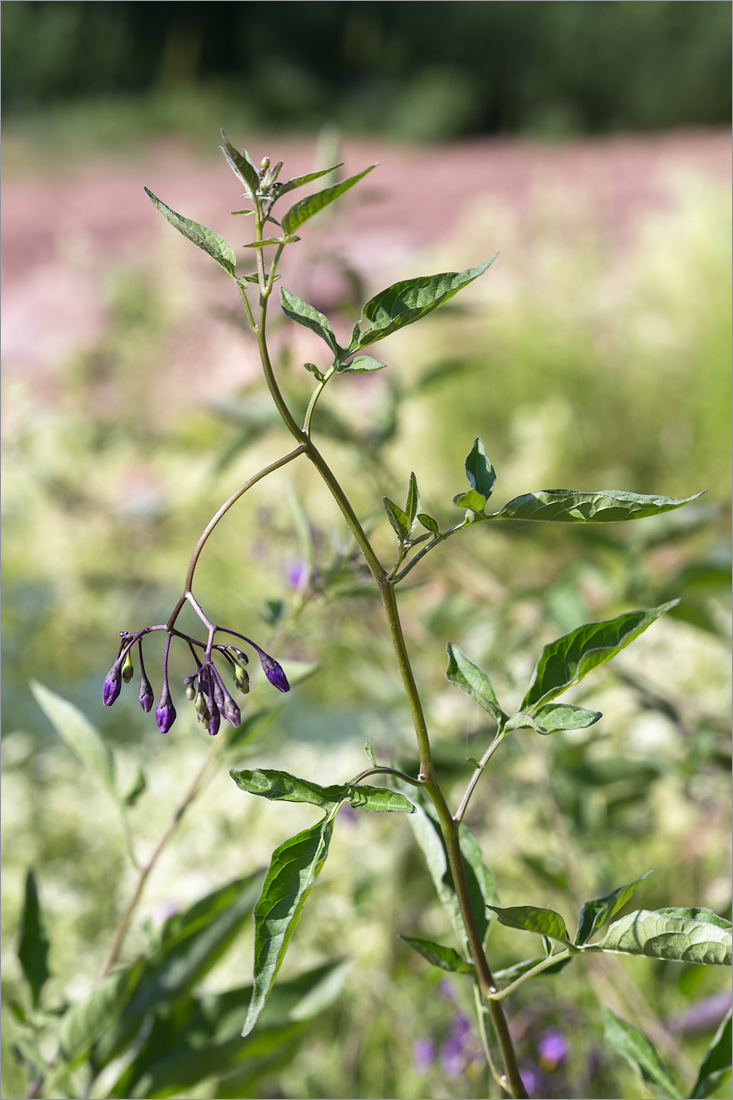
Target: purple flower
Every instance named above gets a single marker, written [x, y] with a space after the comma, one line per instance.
[456, 1051]
[112, 685]
[297, 574]
[165, 714]
[552, 1049]
[423, 1054]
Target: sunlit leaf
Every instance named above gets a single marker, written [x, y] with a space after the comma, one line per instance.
[599, 911]
[89, 1019]
[445, 958]
[205, 239]
[242, 166]
[716, 1064]
[298, 310]
[313, 204]
[479, 471]
[280, 786]
[666, 935]
[400, 522]
[471, 499]
[412, 501]
[530, 918]
[568, 659]
[605, 506]
[470, 678]
[360, 364]
[640, 1053]
[33, 944]
[429, 522]
[78, 733]
[553, 717]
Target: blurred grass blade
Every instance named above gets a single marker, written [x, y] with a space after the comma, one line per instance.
[473, 681]
[716, 1065]
[605, 506]
[639, 1052]
[445, 958]
[599, 911]
[531, 918]
[87, 1020]
[79, 734]
[568, 659]
[667, 935]
[33, 944]
[205, 239]
[293, 871]
[308, 207]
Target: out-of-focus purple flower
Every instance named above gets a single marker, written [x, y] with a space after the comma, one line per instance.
[274, 672]
[457, 1050]
[112, 685]
[165, 715]
[552, 1049]
[532, 1078]
[296, 574]
[423, 1054]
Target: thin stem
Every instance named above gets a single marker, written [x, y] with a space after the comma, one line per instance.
[499, 995]
[314, 398]
[379, 770]
[427, 548]
[477, 773]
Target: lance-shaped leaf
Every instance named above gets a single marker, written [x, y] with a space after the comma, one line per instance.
[640, 1053]
[470, 678]
[412, 501]
[599, 911]
[242, 165]
[293, 871]
[665, 935]
[283, 787]
[298, 310]
[400, 522]
[553, 717]
[309, 177]
[568, 659]
[530, 918]
[33, 942]
[445, 958]
[605, 506]
[716, 1065]
[308, 207]
[360, 364]
[86, 1021]
[405, 302]
[205, 239]
[78, 733]
[479, 471]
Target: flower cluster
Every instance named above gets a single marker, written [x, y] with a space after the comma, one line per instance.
[205, 687]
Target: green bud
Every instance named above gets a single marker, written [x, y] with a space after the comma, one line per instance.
[128, 669]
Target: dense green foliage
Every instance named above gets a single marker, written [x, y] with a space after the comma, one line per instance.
[468, 68]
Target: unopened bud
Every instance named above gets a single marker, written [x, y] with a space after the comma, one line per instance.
[190, 691]
[202, 708]
[165, 715]
[112, 685]
[214, 722]
[274, 672]
[146, 694]
[128, 669]
[241, 679]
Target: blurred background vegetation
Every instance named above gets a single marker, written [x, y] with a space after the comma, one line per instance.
[592, 370]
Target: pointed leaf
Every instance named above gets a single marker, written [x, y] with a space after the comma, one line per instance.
[266, 242]
[304, 210]
[716, 1065]
[553, 717]
[360, 364]
[412, 501]
[479, 471]
[605, 506]
[664, 935]
[282, 787]
[242, 166]
[530, 918]
[640, 1053]
[470, 678]
[429, 522]
[370, 753]
[33, 944]
[599, 911]
[293, 871]
[205, 239]
[298, 181]
[78, 733]
[298, 310]
[445, 958]
[568, 659]
[405, 302]
[89, 1019]
[400, 522]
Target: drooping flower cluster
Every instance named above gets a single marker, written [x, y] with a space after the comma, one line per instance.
[205, 686]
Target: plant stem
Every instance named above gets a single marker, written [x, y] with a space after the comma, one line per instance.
[478, 772]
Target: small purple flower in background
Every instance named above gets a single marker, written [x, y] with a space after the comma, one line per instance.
[297, 574]
[458, 1050]
[552, 1049]
[423, 1054]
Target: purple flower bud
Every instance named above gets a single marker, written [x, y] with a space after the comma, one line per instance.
[112, 685]
[232, 713]
[214, 722]
[165, 714]
[146, 694]
[274, 673]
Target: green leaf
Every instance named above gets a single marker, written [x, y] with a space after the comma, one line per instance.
[553, 717]
[308, 207]
[78, 733]
[530, 918]
[87, 1020]
[639, 1052]
[242, 166]
[665, 935]
[445, 958]
[568, 659]
[298, 181]
[472, 500]
[599, 911]
[605, 506]
[293, 871]
[33, 944]
[400, 522]
[282, 787]
[716, 1065]
[405, 302]
[370, 753]
[298, 310]
[412, 500]
[479, 471]
[428, 522]
[473, 681]
[360, 364]
[266, 242]
[700, 913]
[205, 239]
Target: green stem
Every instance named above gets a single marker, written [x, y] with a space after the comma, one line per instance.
[478, 772]
[529, 974]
